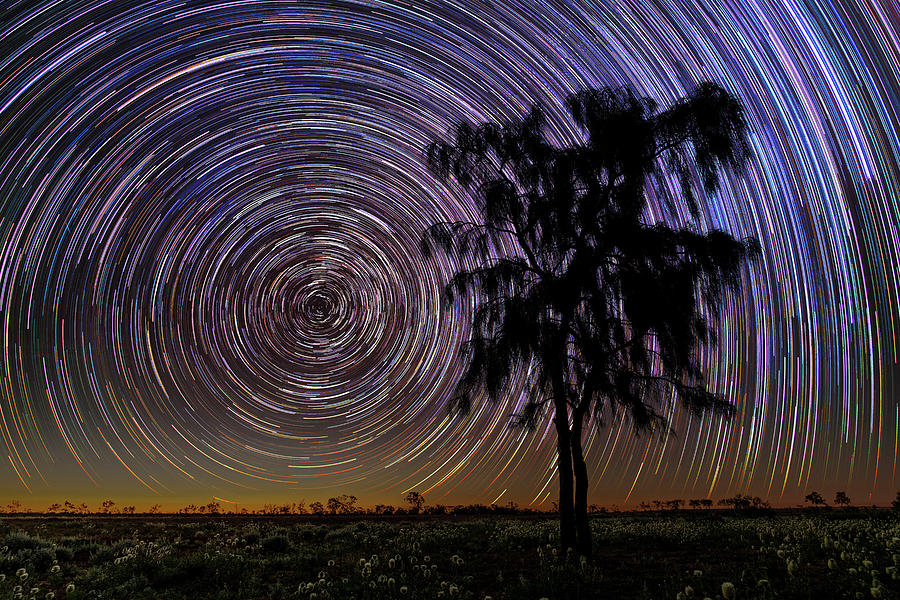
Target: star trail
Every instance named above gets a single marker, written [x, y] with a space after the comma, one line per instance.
[210, 275]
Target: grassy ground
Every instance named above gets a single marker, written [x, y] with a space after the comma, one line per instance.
[642, 556]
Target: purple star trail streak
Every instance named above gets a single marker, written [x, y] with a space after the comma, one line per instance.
[210, 277]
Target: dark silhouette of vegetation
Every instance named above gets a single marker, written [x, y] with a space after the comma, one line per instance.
[841, 499]
[416, 501]
[342, 505]
[348, 505]
[815, 498]
[577, 298]
[742, 502]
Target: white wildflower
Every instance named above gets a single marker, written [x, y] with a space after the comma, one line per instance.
[728, 591]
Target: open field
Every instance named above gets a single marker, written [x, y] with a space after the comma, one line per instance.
[636, 556]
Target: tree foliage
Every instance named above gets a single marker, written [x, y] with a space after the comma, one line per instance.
[416, 501]
[605, 307]
[815, 498]
[591, 271]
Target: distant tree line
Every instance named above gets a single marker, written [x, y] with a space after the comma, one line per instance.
[840, 499]
[415, 505]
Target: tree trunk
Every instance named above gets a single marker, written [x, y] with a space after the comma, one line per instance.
[582, 526]
[564, 468]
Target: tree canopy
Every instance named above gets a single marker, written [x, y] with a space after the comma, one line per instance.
[608, 307]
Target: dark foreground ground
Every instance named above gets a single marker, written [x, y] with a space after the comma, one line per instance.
[640, 556]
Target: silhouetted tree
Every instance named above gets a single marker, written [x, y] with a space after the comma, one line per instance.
[154, 510]
[342, 505]
[815, 498]
[317, 508]
[416, 501]
[107, 506]
[841, 499]
[706, 502]
[760, 503]
[577, 297]
[694, 503]
[741, 502]
[896, 503]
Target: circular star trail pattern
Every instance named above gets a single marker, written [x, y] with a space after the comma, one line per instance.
[210, 276]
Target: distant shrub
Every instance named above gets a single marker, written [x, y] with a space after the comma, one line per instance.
[276, 544]
[22, 541]
[33, 560]
[342, 534]
[104, 554]
[86, 547]
[252, 538]
[40, 560]
[185, 572]
[311, 532]
[64, 554]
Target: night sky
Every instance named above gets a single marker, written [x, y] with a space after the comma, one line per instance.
[210, 275]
